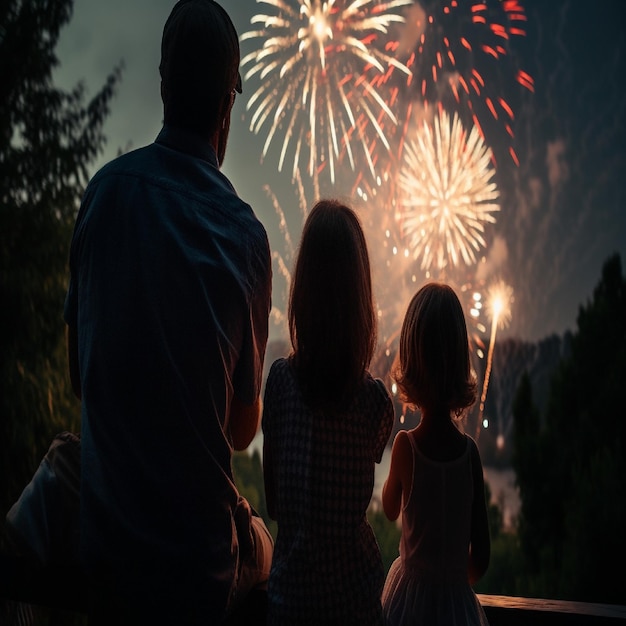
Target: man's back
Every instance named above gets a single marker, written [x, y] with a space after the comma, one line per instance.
[170, 294]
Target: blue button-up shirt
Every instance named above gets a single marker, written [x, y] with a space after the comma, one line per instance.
[170, 294]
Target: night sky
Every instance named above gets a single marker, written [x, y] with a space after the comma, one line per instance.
[563, 208]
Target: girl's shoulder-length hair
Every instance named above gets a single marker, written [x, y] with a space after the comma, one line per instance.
[433, 367]
[332, 317]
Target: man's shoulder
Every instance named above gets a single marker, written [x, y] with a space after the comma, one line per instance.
[123, 163]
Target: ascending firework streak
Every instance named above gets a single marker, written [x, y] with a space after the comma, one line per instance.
[446, 193]
[498, 300]
[284, 261]
[320, 68]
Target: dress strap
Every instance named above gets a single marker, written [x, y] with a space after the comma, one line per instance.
[414, 452]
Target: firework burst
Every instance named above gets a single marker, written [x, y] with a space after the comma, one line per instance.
[320, 68]
[460, 47]
[446, 193]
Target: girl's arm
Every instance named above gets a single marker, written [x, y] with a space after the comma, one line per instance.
[480, 541]
[396, 483]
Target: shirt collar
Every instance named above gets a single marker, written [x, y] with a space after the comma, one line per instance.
[187, 142]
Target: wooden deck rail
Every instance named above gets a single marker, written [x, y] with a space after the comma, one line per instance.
[513, 611]
[19, 582]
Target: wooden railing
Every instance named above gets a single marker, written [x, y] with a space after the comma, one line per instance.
[64, 590]
[510, 611]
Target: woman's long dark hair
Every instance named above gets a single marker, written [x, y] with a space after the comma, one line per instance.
[332, 319]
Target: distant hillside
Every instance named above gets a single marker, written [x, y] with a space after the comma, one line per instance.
[511, 357]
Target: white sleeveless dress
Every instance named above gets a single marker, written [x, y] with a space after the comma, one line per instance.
[427, 584]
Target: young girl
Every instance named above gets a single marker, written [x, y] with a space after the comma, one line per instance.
[326, 422]
[436, 475]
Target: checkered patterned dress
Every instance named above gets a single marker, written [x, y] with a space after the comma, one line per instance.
[327, 567]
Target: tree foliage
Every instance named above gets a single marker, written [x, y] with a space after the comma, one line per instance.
[48, 139]
[570, 468]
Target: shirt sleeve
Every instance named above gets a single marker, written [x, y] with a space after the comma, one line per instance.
[269, 400]
[385, 411]
[70, 308]
[249, 372]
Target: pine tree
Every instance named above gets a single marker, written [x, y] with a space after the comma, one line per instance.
[571, 469]
[48, 139]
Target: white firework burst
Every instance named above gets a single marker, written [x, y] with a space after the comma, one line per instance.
[446, 193]
[320, 69]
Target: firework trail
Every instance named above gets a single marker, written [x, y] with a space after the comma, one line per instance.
[283, 261]
[459, 47]
[446, 193]
[320, 69]
[499, 299]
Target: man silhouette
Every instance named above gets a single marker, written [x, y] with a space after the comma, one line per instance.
[167, 313]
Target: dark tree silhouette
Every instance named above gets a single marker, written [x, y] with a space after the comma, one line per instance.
[48, 139]
[571, 470]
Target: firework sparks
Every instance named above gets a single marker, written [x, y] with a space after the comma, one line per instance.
[320, 68]
[459, 45]
[283, 261]
[499, 301]
[446, 193]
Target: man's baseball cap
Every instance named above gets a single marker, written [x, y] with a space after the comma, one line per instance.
[200, 49]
